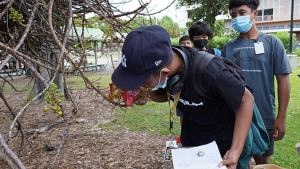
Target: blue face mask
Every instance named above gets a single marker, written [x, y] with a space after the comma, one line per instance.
[242, 24]
[164, 84]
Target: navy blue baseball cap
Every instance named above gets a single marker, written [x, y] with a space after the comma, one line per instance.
[145, 50]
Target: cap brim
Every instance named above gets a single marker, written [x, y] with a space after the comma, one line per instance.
[128, 81]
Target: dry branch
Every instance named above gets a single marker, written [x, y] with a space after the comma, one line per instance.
[63, 137]
[45, 128]
[10, 163]
[47, 32]
[11, 153]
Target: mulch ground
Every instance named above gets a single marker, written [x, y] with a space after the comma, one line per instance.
[86, 146]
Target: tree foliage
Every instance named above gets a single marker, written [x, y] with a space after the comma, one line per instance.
[37, 34]
[205, 10]
[166, 22]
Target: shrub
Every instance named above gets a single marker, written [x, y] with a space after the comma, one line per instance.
[218, 42]
[297, 52]
[285, 39]
[175, 41]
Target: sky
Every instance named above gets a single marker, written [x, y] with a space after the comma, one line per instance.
[154, 6]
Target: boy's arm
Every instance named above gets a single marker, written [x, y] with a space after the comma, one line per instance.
[159, 95]
[284, 88]
[241, 128]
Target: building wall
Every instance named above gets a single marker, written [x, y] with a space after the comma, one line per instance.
[182, 17]
[281, 9]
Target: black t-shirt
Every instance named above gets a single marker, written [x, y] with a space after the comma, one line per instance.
[206, 120]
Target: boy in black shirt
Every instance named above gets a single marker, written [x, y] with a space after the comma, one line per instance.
[148, 61]
[200, 34]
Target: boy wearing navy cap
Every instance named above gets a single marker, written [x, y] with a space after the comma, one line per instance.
[148, 61]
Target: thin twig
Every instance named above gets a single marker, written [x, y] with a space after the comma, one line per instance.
[11, 153]
[65, 134]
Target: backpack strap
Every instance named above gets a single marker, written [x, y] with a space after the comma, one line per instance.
[202, 59]
[211, 51]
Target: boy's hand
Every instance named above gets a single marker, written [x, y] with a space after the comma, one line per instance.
[279, 129]
[143, 96]
[230, 159]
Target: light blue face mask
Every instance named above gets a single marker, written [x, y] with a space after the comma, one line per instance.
[164, 84]
[242, 24]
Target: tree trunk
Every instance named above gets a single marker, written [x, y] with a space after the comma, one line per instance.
[48, 75]
[59, 81]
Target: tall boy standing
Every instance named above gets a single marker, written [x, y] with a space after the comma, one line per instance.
[261, 56]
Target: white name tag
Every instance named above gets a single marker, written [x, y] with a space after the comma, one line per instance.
[169, 145]
[259, 48]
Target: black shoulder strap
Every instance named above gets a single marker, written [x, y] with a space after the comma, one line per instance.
[211, 51]
[202, 59]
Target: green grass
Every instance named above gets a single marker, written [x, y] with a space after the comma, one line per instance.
[285, 153]
[24, 87]
[152, 117]
[99, 80]
[298, 59]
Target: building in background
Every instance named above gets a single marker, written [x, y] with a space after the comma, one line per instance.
[274, 16]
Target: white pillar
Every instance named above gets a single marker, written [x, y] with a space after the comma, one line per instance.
[293, 60]
[95, 51]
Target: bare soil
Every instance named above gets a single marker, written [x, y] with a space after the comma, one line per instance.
[86, 146]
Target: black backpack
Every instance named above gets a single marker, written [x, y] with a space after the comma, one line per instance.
[201, 60]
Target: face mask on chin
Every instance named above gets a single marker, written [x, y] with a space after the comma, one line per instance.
[200, 43]
[164, 84]
[242, 24]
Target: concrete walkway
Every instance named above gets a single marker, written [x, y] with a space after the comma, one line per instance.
[108, 65]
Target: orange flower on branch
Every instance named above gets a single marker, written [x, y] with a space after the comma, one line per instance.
[128, 96]
[114, 91]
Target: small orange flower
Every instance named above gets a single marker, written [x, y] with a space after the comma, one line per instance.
[128, 96]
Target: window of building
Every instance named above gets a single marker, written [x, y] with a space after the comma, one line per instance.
[266, 28]
[259, 16]
[294, 26]
[271, 27]
[265, 15]
[280, 27]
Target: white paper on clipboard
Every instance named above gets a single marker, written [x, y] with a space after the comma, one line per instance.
[187, 158]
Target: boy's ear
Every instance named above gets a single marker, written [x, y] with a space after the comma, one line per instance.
[166, 72]
[255, 13]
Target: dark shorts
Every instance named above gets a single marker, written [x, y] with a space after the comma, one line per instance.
[178, 112]
[270, 151]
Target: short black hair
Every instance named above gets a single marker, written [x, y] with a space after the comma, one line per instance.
[184, 38]
[253, 4]
[200, 28]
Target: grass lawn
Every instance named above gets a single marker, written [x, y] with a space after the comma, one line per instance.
[154, 118]
[285, 153]
[99, 80]
[298, 59]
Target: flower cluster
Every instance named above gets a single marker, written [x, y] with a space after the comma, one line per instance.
[128, 96]
[54, 98]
